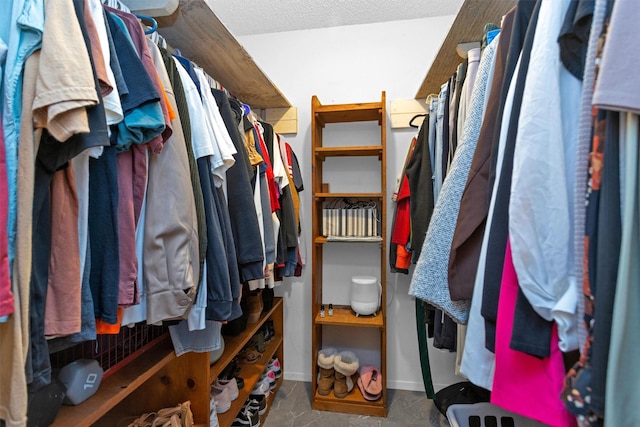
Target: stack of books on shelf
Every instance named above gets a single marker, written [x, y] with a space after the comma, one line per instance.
[345, 219]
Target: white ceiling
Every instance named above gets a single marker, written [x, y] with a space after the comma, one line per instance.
[248, 17]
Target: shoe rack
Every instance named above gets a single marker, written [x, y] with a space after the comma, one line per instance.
[156, 379]
[250, 373]
[343, 317]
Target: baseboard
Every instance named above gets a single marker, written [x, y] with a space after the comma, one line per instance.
[405, 385]
[398, 385]
[297, 376]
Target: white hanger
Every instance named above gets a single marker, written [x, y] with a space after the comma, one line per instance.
[116, 4]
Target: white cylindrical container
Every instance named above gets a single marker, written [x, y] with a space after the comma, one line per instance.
[366, 292]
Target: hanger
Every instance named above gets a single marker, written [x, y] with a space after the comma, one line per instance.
[213, 83]
[154, 23]
[415, 117]
[246, 109]
[116, 4]
[157, 39]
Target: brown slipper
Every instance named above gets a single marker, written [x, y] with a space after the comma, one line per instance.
[250, 355]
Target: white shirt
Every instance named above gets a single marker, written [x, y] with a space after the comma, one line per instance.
[201, 134]
[222, 159]
[541, 205]
[280, 173]
[112, 105]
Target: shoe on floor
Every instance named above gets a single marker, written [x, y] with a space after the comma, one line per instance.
[257, 403]
[370, 382]
[230, 385]
[247, 418]
[213, 414]
[257, 341]
[268, 330]
[274, 366]
[271, 377]
[326, 372]
[262, 387]
[346, 364]
[232, 370]
[222, 399]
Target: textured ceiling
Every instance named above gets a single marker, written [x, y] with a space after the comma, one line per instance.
[269, 16]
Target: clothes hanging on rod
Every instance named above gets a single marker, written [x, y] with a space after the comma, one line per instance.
[523, 204]
[165, 197]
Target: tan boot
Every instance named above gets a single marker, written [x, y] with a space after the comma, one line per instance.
[346, 364]
[254, 300]
[326, 358]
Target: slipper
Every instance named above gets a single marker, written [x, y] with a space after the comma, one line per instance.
[370, 382]
[250, 355]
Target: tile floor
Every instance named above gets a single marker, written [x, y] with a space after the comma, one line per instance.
[292, 408]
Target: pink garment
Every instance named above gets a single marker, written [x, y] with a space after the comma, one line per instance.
[522, 383]
[6, 296]
[128, 277]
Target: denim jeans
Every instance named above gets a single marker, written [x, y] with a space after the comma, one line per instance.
[438, 172]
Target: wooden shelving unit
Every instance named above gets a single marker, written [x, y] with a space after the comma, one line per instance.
[233, 343]
[250, 374]
[343, 317]
[157, 379]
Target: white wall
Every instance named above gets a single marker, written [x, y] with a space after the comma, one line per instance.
[344, 65]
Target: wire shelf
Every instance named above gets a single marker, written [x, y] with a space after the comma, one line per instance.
[113, 351]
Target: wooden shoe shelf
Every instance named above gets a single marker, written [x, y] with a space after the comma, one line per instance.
[250, 373]
[343, 317]
[157, 379]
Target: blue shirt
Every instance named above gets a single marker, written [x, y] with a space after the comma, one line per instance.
[143, 118]
[21, 32]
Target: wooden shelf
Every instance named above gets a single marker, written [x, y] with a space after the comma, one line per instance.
[354, 402]
[196, 30]
[348, 195]
[157, 379]
[346, 113]
[351, 151]
[344, 316]
[118, 386]
[468, 26]
[322, 240]
[250, 373]
[233, 344]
